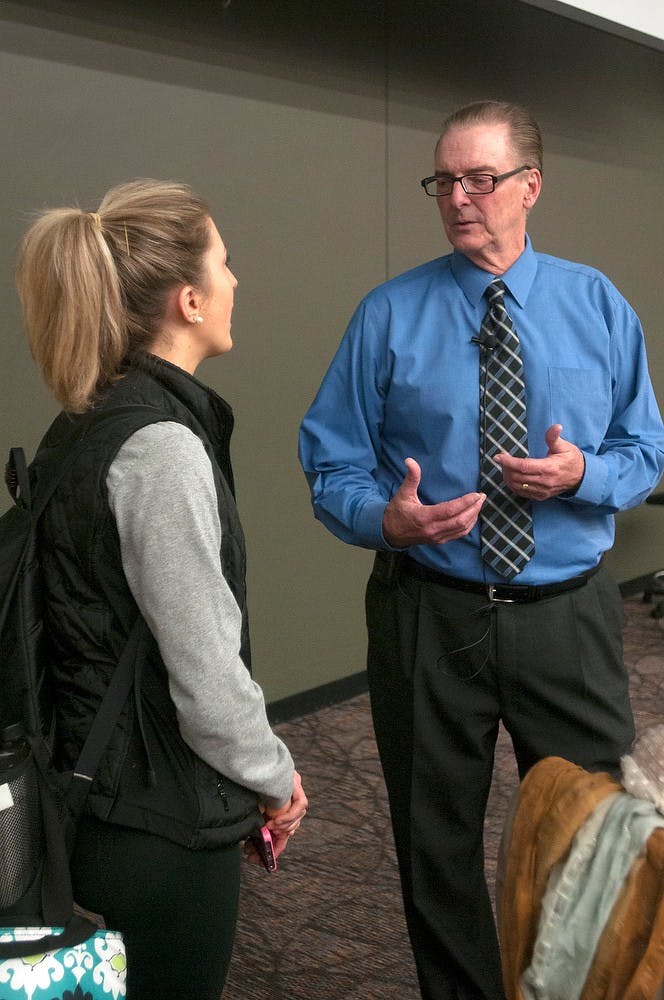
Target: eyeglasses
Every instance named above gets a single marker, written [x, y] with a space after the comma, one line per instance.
[442, 187]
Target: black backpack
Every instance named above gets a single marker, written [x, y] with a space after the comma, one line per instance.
[38, 805]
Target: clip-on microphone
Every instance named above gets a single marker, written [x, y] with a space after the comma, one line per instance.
[486, 340]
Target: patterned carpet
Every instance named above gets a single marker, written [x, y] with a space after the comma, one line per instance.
[329, 925]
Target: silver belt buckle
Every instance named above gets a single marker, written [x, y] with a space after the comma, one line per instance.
[498, 600]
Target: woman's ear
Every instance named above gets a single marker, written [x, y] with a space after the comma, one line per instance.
[188, 303]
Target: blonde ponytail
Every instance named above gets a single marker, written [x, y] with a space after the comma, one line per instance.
[72, 305]
[94, 285]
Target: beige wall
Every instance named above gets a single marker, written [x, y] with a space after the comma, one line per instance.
[307, 127]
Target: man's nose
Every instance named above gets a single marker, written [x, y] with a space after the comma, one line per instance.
[457, 195]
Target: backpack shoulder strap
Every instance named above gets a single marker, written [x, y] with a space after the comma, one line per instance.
[107, 716]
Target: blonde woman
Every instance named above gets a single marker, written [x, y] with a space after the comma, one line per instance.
[121, 305]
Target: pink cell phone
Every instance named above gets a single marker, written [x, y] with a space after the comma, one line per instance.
[262, 841]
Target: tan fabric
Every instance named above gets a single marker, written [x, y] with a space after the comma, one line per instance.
[629, 960]
[556, 798]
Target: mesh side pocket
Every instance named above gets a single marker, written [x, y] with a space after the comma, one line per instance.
[21, 836]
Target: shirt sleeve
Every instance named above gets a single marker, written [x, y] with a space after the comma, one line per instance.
[162, 494]
[339, 444]
[630, 461]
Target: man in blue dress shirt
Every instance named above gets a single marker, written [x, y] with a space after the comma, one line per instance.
[391, 448]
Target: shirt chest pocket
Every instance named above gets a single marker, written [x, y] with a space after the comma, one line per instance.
[580, 400]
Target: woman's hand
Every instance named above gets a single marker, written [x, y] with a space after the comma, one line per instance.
[284, 822]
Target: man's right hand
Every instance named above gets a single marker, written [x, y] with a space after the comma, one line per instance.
[407, 522]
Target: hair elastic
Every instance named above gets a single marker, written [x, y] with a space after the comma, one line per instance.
[96, 218]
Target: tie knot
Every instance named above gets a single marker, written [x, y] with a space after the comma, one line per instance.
[494, 292]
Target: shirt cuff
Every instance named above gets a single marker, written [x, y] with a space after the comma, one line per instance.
[369, 525]
[592, 488]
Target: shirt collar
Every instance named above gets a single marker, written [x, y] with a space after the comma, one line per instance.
[518, 279]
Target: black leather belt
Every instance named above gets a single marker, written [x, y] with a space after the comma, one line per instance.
[506, 593]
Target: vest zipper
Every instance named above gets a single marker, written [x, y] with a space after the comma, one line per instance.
[221, 790]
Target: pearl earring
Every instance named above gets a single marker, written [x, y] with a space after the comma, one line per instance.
[196, 319]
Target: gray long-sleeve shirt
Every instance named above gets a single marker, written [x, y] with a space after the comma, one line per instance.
[170, 537]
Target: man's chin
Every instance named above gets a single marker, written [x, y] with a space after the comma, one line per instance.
[465, 239]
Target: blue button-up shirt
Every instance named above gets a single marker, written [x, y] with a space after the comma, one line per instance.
[405, 383]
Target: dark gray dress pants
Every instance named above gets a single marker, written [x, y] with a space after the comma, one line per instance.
[444, 667]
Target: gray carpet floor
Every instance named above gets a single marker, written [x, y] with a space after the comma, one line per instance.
[328, 925]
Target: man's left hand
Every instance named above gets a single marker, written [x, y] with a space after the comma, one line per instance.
[541, 478]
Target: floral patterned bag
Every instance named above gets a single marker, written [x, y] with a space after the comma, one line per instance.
[93, 970]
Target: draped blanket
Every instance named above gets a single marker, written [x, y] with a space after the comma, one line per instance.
[556, 801]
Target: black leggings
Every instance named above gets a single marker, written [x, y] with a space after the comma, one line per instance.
[176, 908]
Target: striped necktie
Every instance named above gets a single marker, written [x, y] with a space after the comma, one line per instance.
[506, 524]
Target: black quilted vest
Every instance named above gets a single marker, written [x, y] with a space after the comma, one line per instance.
[91, 611]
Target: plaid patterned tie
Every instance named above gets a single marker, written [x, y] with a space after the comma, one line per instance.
[506, 524]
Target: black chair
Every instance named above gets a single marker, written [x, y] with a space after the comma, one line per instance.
[656, 584]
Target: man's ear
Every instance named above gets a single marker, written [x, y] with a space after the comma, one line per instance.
[533, 189]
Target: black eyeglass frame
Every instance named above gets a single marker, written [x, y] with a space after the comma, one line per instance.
[495, 179]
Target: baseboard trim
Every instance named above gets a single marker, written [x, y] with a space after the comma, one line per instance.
[324, 696]
[336, 692]
[631, 587]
